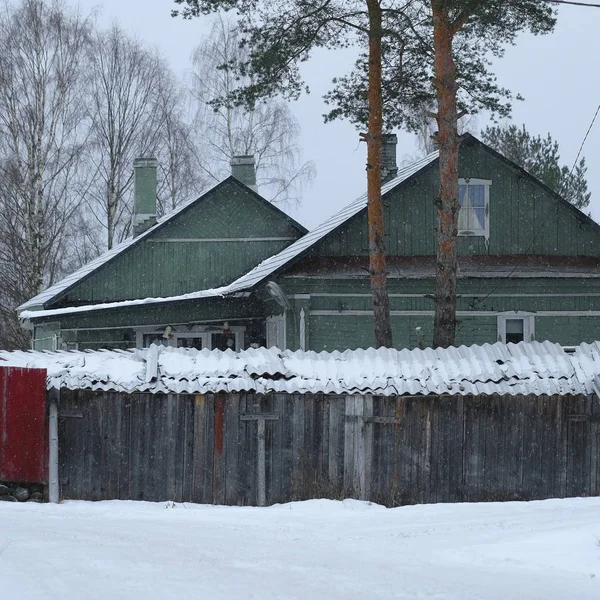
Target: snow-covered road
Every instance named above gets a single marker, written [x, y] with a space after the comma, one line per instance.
[308, 550]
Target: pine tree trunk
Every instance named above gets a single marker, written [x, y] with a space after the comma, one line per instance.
[381, 303]
[447, 203]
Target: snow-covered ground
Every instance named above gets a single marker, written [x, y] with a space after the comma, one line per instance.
[315, 549]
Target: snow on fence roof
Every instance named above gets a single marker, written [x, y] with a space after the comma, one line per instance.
[525, 368]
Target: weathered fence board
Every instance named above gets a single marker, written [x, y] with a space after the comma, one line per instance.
[251, 449]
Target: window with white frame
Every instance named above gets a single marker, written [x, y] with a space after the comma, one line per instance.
[474, 200]
[515, 327]
[198, 337]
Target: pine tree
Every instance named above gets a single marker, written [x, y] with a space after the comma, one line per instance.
[540, 157]
[433, 53]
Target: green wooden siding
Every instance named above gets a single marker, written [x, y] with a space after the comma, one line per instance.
[339, 329]
[568, 331]
[527, 294]
[172, 313]
[496, 304]
[168, 269]
[524, 217]
[341, 332]
[159, 266]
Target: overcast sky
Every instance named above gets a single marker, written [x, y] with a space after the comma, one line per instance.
[557, 75]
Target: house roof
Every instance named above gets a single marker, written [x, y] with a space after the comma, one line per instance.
[263, 270]
[77, 276]
[277, 262]
[535, 368]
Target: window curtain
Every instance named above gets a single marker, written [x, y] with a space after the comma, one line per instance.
[471, 216]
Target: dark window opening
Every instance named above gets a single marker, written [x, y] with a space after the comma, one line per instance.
[223, 341]
[515, 330]
[189, 342]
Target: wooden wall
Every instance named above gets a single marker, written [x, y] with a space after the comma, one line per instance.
[199, 248]
[525, 217]
[250, 449]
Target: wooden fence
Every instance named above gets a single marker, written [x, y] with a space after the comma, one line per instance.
[253, 449]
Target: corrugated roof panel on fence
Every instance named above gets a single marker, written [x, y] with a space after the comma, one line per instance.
[525, 368]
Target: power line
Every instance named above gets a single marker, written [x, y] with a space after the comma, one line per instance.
[573, 3]
[585, 138]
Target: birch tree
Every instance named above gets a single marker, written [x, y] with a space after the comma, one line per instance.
[183, 173]
[43, 132]
[266, 129]
[125, 80]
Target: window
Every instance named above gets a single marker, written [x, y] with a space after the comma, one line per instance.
[515, 327]
[190, 342]
[276, 334]
[515, 331]
[223, 341]
[154, 338]
[473, 197]
[208, 337]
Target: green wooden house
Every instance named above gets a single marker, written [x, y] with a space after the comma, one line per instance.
[230, 270]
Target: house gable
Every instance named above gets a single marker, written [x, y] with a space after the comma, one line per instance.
[525, 217]
[209, 243]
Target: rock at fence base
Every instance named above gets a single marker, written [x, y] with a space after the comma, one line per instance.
[5, 490]
[21, 494]
[36, 497]
[8, 499]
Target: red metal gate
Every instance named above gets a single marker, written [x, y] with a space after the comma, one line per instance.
[23, 425]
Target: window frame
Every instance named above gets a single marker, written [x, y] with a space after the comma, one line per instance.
[487, 183]
[279, 323]
[528, 319]
[204, 332]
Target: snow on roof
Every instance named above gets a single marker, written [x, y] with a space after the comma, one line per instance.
[76, 276]
[273, 263]
[526, 368]
[210, 293]
[256, 275]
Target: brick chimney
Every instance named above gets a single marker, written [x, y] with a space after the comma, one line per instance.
[243, 168]
[389, 168]
[144, 201]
